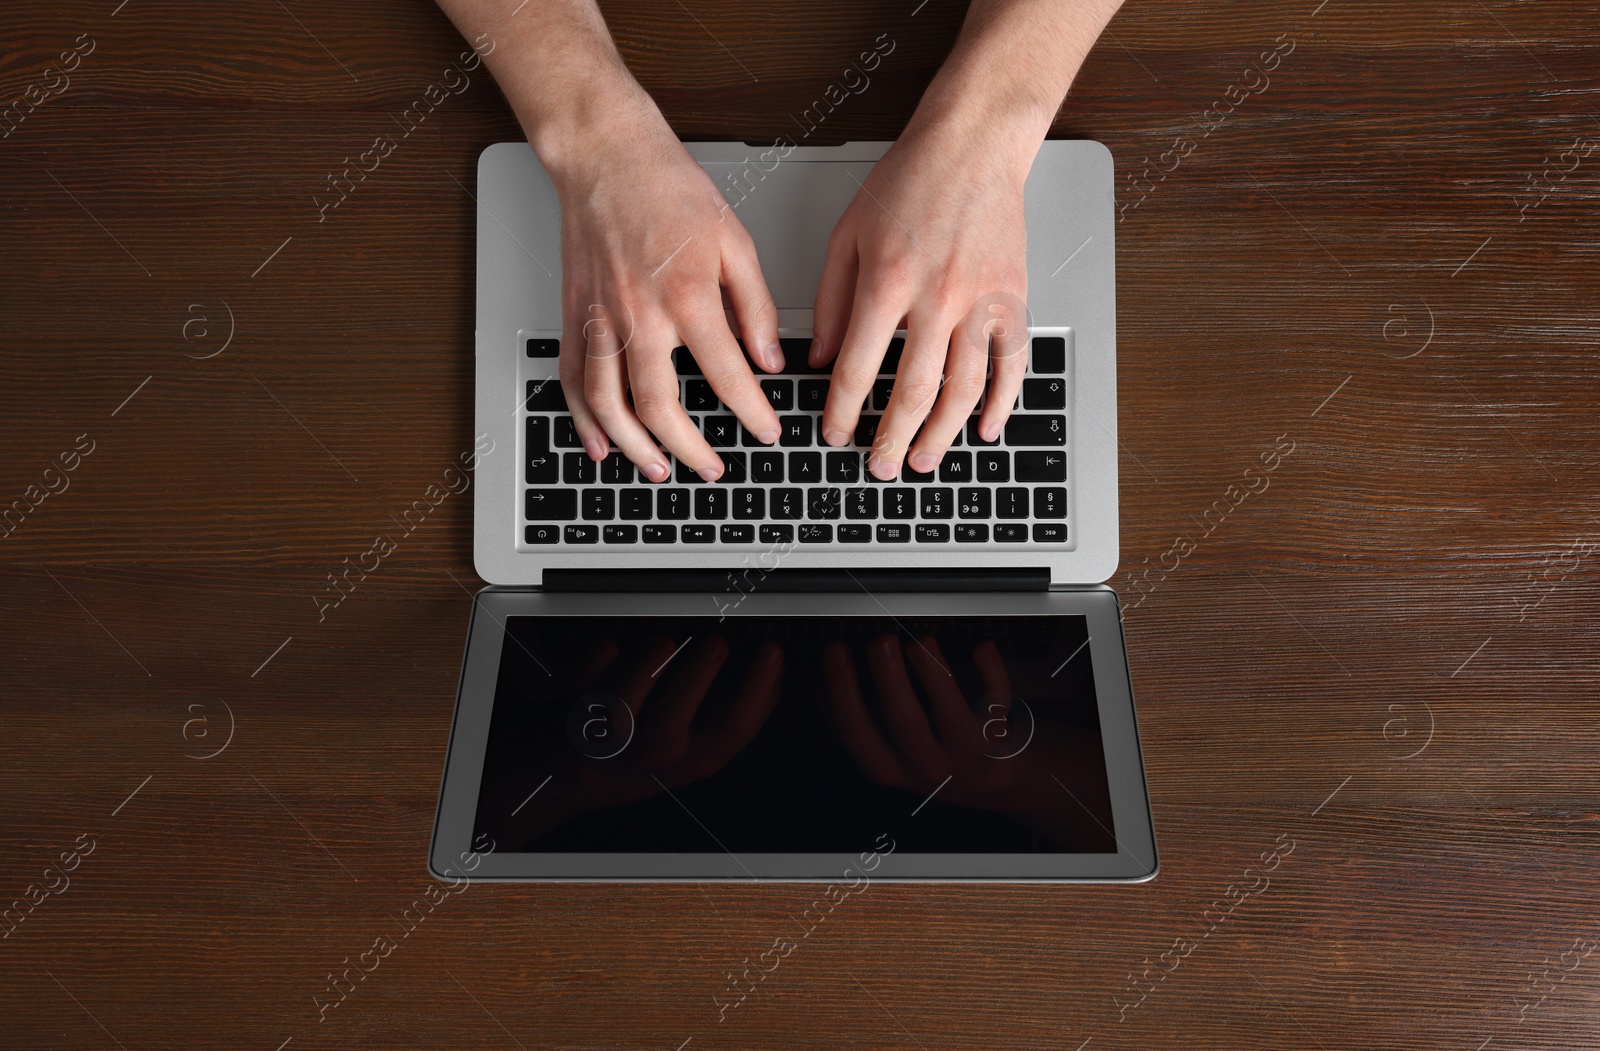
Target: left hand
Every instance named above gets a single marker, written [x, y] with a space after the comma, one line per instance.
[935, 243]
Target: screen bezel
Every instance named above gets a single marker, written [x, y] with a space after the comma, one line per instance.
[452, 856]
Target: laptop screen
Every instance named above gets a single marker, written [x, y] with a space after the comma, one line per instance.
[798, 734]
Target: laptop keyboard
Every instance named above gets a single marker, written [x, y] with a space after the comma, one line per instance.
[801, 490]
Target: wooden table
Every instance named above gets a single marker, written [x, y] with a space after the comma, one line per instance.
[1386, 660]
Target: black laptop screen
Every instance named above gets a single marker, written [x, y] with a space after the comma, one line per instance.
[752, 734]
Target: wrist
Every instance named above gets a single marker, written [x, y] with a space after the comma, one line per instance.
[576, 139]
[974, 112]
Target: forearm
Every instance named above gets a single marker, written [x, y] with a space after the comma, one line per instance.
[1010, 70]
[558, 68]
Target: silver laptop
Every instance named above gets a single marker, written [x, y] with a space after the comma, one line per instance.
[927, 671]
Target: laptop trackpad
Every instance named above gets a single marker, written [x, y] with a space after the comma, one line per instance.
[789, 210]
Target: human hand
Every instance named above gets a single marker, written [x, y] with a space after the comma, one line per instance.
[647, 243]
[934, 243]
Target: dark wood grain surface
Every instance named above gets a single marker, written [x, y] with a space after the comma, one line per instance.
[1390, 658]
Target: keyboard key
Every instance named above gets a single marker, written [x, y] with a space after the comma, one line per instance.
[686, 364]
[766, 468]
[738, 534]
[787, 504]
[822, 503]
[1049, 355]
[867, 430]
[750, 441]
[699, 534]
[660, 534]
[780, 394]
[882, 389]
[956, 467]
[722, 432]
[908, 475]
[1044, 394]
[698, 395]
[805, 467]
[635, 504]
[861, 503]
[551, 505]
[581, 534]
[855, 534]
[937, 502]
[1041, 467]
[749, 503]
[599, 504]
[1011, 503]
[686, 475]
[932, 534]
[891, 357]
[797, 355]
[542, 468]
[544, 348]
[545, 396]
[777, 534]
[813, 395]
[1010, 533]
[994, 466]
[816, 534]
[1050, 502]
[672, 504]
[969, 533]
[973, 503]
[1049, 532]
[972, 434]
[577, 468]
[710, 503]
[616, 469]
[732, 467]
[894, 533]
[542, 534]
[794, 431]
[844, 466]
[899, 503]
[566, 434]
[620, 534]
[1036, 430]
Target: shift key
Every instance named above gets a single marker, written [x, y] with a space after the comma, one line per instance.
[1036, 430]
[552, 505]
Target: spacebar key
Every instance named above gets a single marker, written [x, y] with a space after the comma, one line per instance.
[552, 505]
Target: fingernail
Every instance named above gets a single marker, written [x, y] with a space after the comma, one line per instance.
[922, 462]
[656, 472]
[884, 467]
[710, 474]
[767, 437]
[814, 355]
[835, 437]
[597, 449]
[774, 353]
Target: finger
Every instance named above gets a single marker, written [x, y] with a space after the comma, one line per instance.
[572, 366]
[642, 674]
[848, 714]
[950, 710]
[902, 713]
[963, 386]
[604, 388]
[873, 319]
[729, 374]
[835, 293]
[750, 298]
[1008, 348]
[655, 401]
[915, 388]
[758, 696]
[697, 670]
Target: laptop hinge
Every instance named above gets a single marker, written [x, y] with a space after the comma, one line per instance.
[747, 581]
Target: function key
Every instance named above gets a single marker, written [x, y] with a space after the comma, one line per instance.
[973, 437]
[777, 534]
[894, 533]
[582, 534]
[1041, 467]
[780, 394]
[1049, 532]
[1010, 533]
[699, 534]
[620, 534]
[813, 395]
[738, 534]
[551, 505]
[766, 468]
[855, 533]
[577, 468]
[566, 434]
[542, 534]
[994, 466]
[616, 469]
[545, 396]
[971, 533]
[698, 396]
[1036, 430]
[816, 534]
[544, 348]
[1049, 355]
[932, 533]
[660, 534]
[1044, 394]
[685, 362]
[1050, 502]
[956, 467]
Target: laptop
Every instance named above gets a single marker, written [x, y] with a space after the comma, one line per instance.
[798, 672]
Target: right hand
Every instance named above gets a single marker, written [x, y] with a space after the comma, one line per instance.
[647, 246]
